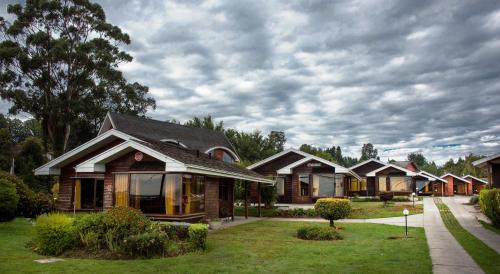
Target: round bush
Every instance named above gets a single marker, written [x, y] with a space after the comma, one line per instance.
[54, 233]
[120, 222]
[8, 200]
[332, 209]
[318, 233]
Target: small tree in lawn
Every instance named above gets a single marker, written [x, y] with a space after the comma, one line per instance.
[386, 197]
[268, 195]
[332, 209]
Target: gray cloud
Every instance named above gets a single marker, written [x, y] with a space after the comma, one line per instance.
[404, 75]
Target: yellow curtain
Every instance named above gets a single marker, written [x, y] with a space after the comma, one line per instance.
[78, 194]
[121, 190]
[137, 201]
[363, 184]
[169, 194]
[188, 196]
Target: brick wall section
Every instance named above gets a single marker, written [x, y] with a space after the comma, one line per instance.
[66, 180]
[212, 197]
[449, 186]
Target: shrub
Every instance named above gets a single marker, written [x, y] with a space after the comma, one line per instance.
[318, 233]
[54, 233]
[269, 195]
[489, 201]
[474, 200]
[198, 235]
[120, 222]
[91, 230]
[8, 200]
[332, 209]
[386, 197]
[146, 244]
[179, 231]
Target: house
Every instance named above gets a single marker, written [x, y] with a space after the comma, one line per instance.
[302, 178]
[492, 165]
[477, 184]
[168, 171]
[456, 185]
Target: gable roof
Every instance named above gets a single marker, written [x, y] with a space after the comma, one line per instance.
[482, 162]
[433, 176]
[456, 177]
[404, 164]
[288, 168]
[366, 162]
[408, 172]
[475, 178]
[278, 155]
[153, 130]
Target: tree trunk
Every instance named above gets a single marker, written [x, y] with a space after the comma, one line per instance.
[331, 223]
[67, 131]
[12, 165]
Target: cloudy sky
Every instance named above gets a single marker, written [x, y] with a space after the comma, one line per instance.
[407, 76]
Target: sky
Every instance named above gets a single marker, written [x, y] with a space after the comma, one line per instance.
[407, 76]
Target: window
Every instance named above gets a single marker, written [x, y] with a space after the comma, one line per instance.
[193, 197]
[356, 185]
[422, 186]
[304, 184]
[323, 185]
[226, 157]
[280, 186]
[400, 183]
[89, 193]
[147, 193]
[121, 190]
[382, 186]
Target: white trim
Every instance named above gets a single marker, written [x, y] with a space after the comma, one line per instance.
[288, 168]
[483, 161]
[355, 175]
[455, 176]
[367, 161]
[374, 173]
[236, 158]
[220, 173]
[98, 163]
[433, 176]
[177, 142]
[277, 155]
[475, 178]
[53, 168]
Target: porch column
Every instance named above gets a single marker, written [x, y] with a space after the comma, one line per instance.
[258, 199]
[246, 200]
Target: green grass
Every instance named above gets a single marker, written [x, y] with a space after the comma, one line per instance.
[360, 210]
[487, 258]
[490, 227]
[259, 247]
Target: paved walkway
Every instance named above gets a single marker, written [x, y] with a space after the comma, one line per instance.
[447, 254]
[413, 220]
[468, 221]
[238, 220]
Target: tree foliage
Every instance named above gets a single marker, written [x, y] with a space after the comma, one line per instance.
[368, 151]
[59, 62]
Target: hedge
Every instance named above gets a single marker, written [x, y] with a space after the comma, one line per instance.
[489, 201]
[8, 200]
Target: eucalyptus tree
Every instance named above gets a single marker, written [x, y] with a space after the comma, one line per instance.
[59, 62]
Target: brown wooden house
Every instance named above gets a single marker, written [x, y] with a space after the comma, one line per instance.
[166, 170]
[477, 184]
[456, 185]
[492, 165]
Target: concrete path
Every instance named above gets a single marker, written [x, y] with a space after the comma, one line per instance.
[238, 220]
[468, 221]
[413, 220]
[447, 254]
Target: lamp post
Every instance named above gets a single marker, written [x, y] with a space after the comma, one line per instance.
[413, 199]
[406, 212]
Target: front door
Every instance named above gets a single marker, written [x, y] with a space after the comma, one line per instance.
[225, 199]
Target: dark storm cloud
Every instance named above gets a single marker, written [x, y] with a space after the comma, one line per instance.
[405, 75]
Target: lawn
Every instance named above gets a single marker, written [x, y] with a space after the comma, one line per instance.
[259, 247]
[360, 210]
[487, 258]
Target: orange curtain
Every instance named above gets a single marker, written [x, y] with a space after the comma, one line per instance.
[78, 194]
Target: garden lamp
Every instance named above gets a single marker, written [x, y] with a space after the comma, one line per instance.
[413, 198]
[406, 212]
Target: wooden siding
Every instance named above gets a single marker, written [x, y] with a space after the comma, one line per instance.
[366, 168]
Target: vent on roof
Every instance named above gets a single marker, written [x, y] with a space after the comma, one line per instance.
[173, 141]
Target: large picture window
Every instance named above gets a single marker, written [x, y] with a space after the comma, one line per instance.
[382, 185]
[89, 193]
[280, 186]
[400, 184]
[193, 197]
[323, 185]
[304, 184]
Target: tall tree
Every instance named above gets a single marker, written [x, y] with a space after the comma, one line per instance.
[276, 141]
[205, 122]
[59, 62]
[417, 158]
[368, 151]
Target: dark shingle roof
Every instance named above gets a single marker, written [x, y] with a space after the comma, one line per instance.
[191, 157]
[154, 130]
